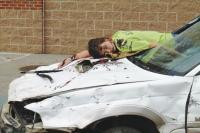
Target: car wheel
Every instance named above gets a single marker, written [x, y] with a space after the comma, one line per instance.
[121, 129]
[6, 131]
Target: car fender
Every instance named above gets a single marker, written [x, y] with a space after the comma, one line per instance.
[121, 110]
[83, 115]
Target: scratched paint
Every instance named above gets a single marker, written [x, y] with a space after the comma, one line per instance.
[107, 89]
[111, 100]
[31, 85]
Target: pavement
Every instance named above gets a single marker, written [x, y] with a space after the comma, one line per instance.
[12, 63]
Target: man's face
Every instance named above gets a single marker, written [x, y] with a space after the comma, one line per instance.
[106, 47]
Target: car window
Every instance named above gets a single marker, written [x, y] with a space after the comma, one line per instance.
[175, 57]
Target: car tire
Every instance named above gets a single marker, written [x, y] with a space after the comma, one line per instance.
[6, 131]
[121, 129]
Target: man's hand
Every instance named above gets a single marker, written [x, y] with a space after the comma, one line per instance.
[65, 62]
[80, 55]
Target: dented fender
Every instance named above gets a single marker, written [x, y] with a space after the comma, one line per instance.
[82, 107]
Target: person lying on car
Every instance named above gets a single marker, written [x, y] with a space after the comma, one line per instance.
[120, 44]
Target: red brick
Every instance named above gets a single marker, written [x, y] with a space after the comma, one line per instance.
[5, 5]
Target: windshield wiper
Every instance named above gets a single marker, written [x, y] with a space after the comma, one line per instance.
[138, 62]
[151, 67]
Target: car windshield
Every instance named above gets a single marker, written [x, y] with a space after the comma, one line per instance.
[175, 57]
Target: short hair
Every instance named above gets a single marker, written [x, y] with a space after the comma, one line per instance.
[93, 47]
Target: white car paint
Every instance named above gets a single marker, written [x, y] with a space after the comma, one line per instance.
[121, 71]
[121, 88]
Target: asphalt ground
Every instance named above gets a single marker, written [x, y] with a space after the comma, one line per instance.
[12, 63]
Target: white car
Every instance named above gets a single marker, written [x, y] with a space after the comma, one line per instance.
[156, 91]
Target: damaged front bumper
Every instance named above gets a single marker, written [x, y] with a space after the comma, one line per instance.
[10, 123]
[16, 119]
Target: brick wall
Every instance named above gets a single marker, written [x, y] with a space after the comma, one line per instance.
[69, 24]
[20, 25]
[21, 4]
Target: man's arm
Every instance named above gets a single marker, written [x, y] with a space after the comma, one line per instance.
[82, 54]
[79, 55]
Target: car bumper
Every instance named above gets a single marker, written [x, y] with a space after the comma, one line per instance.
[8, 124]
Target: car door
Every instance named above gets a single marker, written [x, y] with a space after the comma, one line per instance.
[193, 115]
[194, 106]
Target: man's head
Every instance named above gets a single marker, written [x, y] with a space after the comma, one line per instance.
[98, 47]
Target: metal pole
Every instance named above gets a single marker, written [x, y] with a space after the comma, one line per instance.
[43, 28]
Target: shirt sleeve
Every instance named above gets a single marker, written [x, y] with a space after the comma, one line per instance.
[117, 35]
[139, 45]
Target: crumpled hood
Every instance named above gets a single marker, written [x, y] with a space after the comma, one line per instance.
[109, 73]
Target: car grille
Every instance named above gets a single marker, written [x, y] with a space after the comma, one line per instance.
[23, 115]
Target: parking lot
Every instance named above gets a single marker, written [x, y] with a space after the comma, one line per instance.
[11, 63]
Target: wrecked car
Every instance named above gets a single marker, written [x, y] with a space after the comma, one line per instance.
[155, 91]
